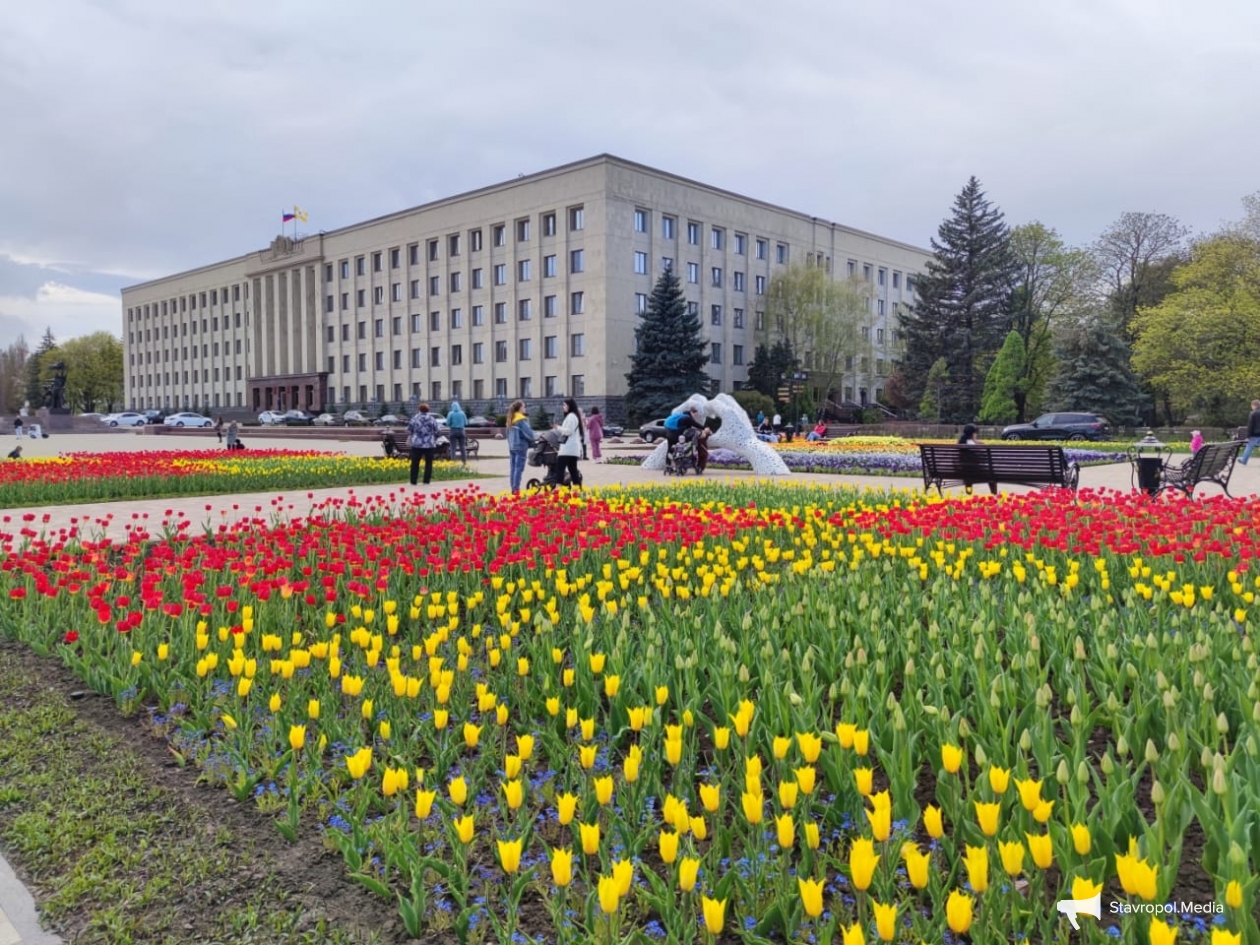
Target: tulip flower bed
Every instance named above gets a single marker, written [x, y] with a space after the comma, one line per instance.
[714, 712]
[96, 477]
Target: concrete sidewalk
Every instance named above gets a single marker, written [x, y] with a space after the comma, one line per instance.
[19, 922]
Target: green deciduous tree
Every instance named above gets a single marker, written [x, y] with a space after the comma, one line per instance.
[668, 365]
[13, 376]
[1199, 344]
[963, 308]
[94, 371]
[1004, 382]
[821, 320]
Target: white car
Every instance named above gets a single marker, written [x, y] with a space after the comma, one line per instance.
[127, 419]
[327, 420]
[188, 419]
[354, 418]
[270, 417]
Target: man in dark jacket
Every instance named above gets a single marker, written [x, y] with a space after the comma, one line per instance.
[1253, 432]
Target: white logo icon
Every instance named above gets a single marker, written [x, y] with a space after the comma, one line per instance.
[1074, 907]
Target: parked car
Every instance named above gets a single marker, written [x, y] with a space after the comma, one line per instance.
[126, 419]
[270, 417]
[154, 416]
[611, 429]
[354, 419]
[653, 430]
[327, 420]
[297, 418]
[188, 419]
[480, 421]
[1060, 426]
[91, 416]
[387, 420]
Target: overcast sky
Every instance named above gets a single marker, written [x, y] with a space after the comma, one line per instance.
[143, 137]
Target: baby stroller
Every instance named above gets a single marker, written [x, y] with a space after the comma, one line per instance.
[688, 454]
[546, 453]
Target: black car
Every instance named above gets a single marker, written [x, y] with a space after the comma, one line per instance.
[155, 416]
[1060, 426]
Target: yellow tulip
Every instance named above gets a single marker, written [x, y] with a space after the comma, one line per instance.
[630, 769]
[623, 873]
[999, 779]
[637, 716]
[424, 803]
[662, 695]
[698, 827]
[721, 737]
[1162, 933]
[1041, 813]
[597, 662]
[780, 747]
[933, 822]
[1233, 894]
[1029, 793]
[951, 758]
[881, 822]
[885, 920]
[812, 836]
[917, 864]
[472, 734]
[588, 729]
[688, 869]
[1042, 848]
[359, 763]
[312, 710]
[297, 737]
[673, 751]
[514, 793]
[810, 746]
[464, 828]
[786, 831]
[392, 781]
[525, 746]
[553, 706]
[1085, 888]
[788, 792]
[862, 863]
[511, 766]
[667, 842]
[587, 753]
[590, 838]
[743, 718]
[958, 912]
[844, 734]
[509, 855]
[243, 685]
[441, 718]
[864, 778]
[711, 797]
[752, 807]
[522, 666]
[805, 778]
[385, 730]
[977, 863]
[1225, 937]
[566, 806]
[811, 896]
[229, 723]
[1012, 856]
[714, 914]
[561, 867]
[604, 790]
[1081, 840]
[608, 896]
[987, 817]
[458, 791]
[862, 741]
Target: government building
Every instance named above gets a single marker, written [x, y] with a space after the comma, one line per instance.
[530, 288]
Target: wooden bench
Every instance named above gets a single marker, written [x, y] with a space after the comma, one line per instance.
[1213, 463]
[956, 465]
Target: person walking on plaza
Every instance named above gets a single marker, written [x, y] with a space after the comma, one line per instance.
[422, 434]
[457, 420]
[595, 433]
[520, 437]
[572, 440]
[1253, 432]
[218, 429]
[17, 426]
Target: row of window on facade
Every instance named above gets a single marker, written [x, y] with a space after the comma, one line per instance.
[717, 236]
[185, 303]
[524, 273]
[524, 352]
[455, 244]
[182, 329]
[181, 354]
[198, 377]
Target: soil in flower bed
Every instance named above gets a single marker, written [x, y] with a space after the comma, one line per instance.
[119, 844]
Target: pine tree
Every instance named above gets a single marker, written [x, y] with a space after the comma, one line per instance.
[963, 308]
[35, 366]
[771, 367]
[1095, 375]
[1002, 385]
[670, 354]
[934, 390]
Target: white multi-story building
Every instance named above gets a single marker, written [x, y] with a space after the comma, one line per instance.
[530, 288]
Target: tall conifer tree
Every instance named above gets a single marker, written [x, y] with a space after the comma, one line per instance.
[963, 306]
[670, 354]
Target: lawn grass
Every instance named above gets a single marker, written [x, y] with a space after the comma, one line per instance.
[112, 856]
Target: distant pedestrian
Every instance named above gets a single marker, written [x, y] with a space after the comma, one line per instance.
[520, 437]
[233, 435]
[595, 433]
[218, 429]
[777, 423]
[1196, 441]
[1253, 432]
[572, 442]
[422, 436]
[17, 426]
[761, 417]
[457, 420]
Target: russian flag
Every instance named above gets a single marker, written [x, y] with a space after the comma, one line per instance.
[286, 218]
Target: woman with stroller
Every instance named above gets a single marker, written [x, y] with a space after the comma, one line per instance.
[572, 443]
[520, 437]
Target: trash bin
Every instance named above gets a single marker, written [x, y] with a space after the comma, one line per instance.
[1148, 457]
